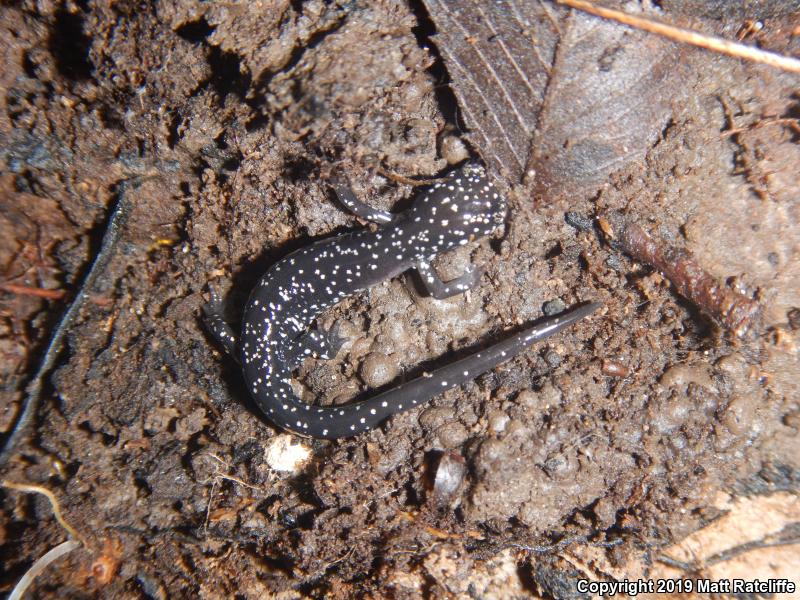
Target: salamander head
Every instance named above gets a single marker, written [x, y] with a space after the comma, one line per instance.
[464, 207]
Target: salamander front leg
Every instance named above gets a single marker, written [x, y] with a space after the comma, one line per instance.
[445, 289]
[218, 327]
[316, 343]
[359, 208]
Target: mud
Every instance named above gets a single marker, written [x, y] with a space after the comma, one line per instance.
[226, 122]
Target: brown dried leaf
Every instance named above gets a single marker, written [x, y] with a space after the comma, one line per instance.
[554, 98]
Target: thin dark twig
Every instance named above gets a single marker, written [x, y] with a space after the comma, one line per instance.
[32, 400]
[675, 563]
[788, 537]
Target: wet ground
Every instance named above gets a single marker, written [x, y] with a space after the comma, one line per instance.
[218, 128]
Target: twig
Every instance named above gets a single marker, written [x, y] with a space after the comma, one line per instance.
[340, 559]
[25, 290]
[688, 36]
[214, 486]
[29, 487]
[675, 563]
[727, 307]
[788, 536]
[216, 477]
[791, 123]
[220, 475]
[34, 389]
[561, 545]
[772, 541]
[39, 566]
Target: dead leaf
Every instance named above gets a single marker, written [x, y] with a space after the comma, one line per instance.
[553, 98]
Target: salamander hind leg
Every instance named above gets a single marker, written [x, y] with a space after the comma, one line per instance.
[217, 326]
[445, 289]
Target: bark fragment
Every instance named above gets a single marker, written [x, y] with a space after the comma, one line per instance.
[730, 309]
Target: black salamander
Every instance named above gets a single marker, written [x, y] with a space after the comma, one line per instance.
[275, 333]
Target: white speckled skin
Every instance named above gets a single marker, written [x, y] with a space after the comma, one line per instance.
[296, 289]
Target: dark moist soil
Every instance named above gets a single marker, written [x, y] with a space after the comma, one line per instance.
[227, 120]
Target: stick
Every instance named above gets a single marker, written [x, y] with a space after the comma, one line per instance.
[34, 390]
[688, 36]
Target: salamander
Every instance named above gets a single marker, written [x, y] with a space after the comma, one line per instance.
[276, 331]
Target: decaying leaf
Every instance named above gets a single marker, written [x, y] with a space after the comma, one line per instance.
[554, 99]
